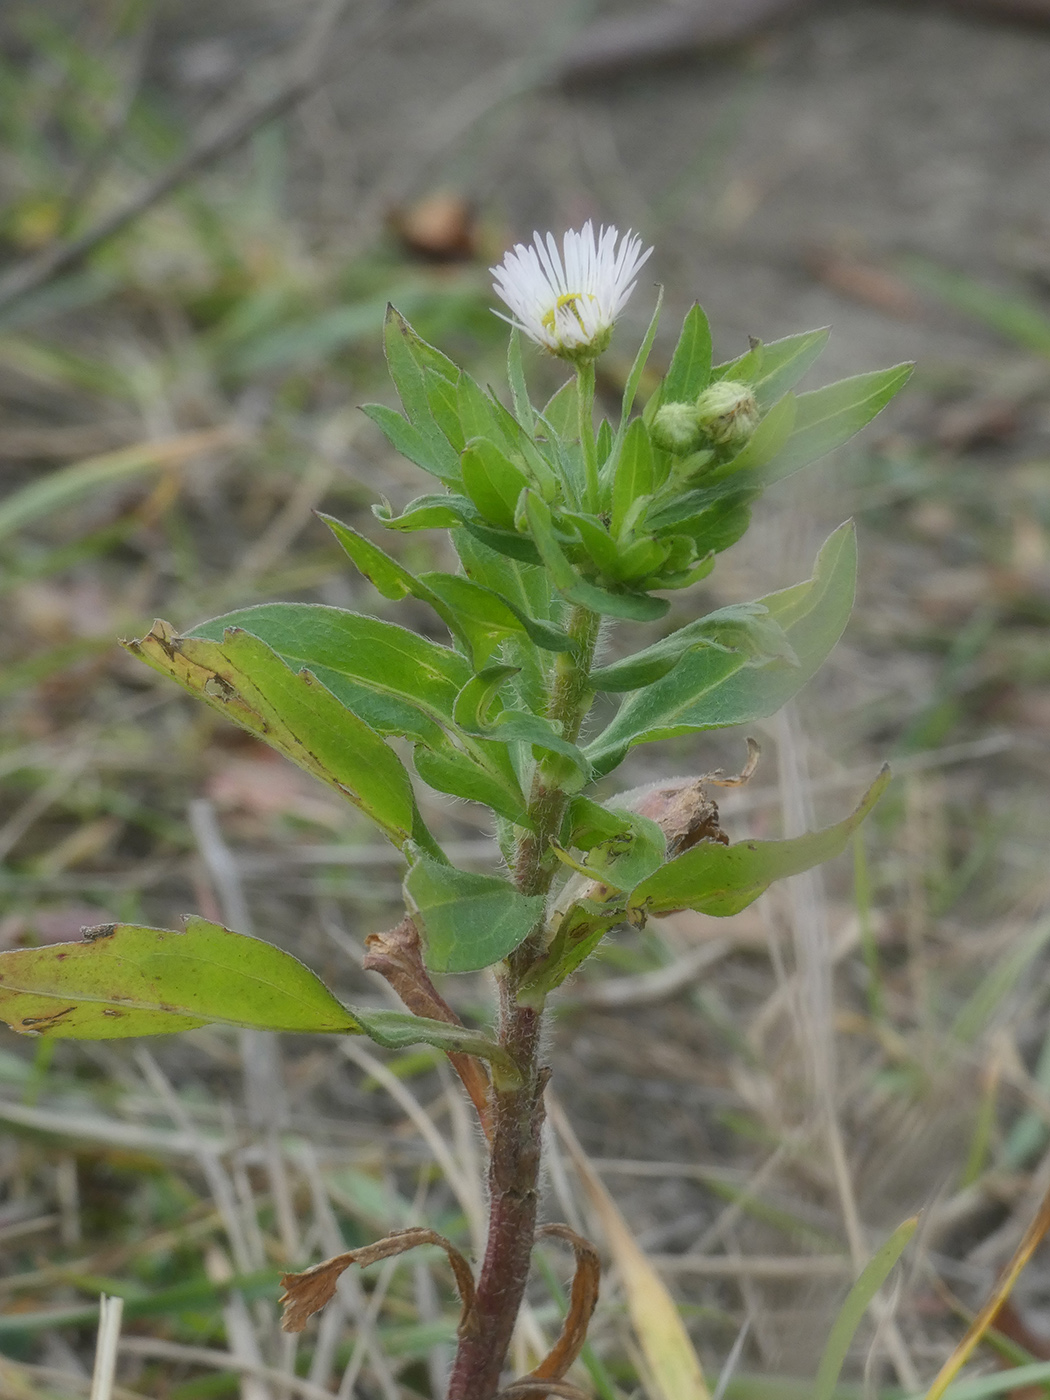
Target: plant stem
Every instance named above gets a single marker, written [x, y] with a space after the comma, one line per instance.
[585, 404]
[517, 1114]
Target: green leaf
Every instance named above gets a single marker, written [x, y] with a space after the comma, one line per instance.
[775, 368]
[523, 409]
[745, 628]
[395, 680]
[721, 880]
[417, 370]
[526, 587]
[496, 786]
[636, 607]
[828, 417]
[714, 517]
[541, 528]
[246, 681]
[634, 378]
[874, 1274]
[396, 1030]
[690, 368]
[710, 688]
[492, 481]
[764, 443]
[429, 513]
[475, 701]
[468, 921]
[386, 575]
[561, 412]
[479, 415]
[518, 726]
[124, 980]
[429, 451]
[633, 853]
[483, 613]
[633, 476]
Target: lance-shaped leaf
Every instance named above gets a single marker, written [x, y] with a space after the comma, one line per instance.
[828, 417]
[395, 680]
[633, 476]
[764, 443]
[690, 368]
[419, 372]
[467, 921]
[721, 880]
[483, 612]
[125, 980]
[429, 513]
[396, 1030]
[773, 369]
[492, 481]
[494, 783]
[247, 681]
[428, 450]
[479, 616]
[747, 628]
[710, 688]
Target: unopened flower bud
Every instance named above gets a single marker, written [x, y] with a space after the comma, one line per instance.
[727, 412]
[676, 428]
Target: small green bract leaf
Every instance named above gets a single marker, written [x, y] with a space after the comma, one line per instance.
[125, 980]
[468, 921]
[721, 880]
[395, 1030]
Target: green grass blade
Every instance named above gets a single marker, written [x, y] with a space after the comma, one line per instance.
[872, 1277]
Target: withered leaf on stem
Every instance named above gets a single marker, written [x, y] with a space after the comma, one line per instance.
[308, 1292]
[681, 807]
[583, 1299]
[398, 957]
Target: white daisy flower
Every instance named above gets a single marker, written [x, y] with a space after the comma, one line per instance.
[568, 300]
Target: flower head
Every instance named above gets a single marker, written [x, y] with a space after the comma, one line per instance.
[567, 300]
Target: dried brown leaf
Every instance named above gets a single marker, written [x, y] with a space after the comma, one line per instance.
[398, 957]
[308, 1292]
[583, 1299]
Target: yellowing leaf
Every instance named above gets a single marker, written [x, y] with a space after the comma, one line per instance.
[123, 980]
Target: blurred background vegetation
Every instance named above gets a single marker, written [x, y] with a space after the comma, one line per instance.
[204, 209]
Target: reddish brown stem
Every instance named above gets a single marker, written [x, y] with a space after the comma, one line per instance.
[513, 1198]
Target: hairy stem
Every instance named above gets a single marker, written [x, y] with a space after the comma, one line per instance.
[517, 1114]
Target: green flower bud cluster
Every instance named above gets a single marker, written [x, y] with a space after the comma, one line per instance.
[724, 415]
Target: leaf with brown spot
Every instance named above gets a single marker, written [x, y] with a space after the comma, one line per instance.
[247, 681]
[308, 1292]
[123, 980]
